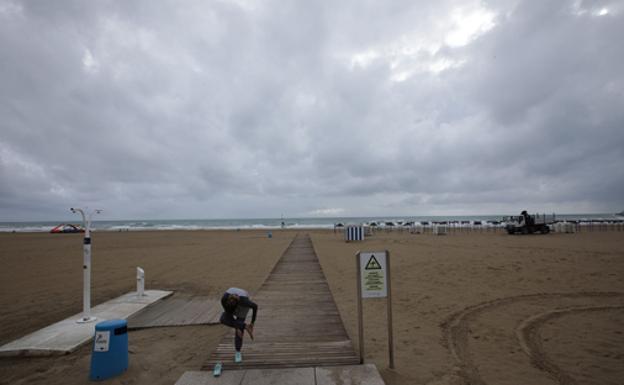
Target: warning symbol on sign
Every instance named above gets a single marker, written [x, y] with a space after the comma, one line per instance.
[373, 264]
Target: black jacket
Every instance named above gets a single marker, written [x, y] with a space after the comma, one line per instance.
[242, 302]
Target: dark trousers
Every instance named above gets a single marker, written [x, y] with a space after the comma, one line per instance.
[236, 323]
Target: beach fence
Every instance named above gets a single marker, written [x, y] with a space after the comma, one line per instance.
[602, 224]
[565, 227]
[480, 226]
[477, 226]
[440, 229]
[577, 225]
[493, 226]
[417, 228]
[354, 233]
[464, 226]
[424, 227]
[587, 225]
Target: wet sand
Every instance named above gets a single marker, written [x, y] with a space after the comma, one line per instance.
[482, 308]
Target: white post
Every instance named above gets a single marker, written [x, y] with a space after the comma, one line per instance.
[86, 266]
[140, 282]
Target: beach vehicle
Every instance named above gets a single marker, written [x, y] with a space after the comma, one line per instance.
[67, 228]
[526, 224]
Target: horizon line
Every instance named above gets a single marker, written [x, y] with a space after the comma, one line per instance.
[310, 217]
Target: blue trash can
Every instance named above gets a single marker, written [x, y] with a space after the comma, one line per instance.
[270, 234]
[110, 350]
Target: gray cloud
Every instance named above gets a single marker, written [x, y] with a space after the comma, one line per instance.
[246, 109]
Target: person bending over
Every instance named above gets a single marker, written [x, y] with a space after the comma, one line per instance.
[236, 305]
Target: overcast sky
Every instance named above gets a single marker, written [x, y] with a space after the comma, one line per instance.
[238, 109]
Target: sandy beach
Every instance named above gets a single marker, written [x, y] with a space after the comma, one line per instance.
[478, 308]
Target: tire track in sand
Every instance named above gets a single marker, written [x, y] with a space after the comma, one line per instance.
[456, 328]
[531, 343]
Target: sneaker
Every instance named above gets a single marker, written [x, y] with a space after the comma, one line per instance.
[238, 357]
[217, 370]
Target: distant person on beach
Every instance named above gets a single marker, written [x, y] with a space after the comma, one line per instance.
[526, 218]
[236, 305]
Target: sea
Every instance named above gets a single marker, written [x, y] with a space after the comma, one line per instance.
[277, 223]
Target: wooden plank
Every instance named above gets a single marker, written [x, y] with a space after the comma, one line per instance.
[287, 347]
[179, 310]
[230, 365]
[147, 315]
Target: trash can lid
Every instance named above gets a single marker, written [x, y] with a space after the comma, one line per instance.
[111, 324]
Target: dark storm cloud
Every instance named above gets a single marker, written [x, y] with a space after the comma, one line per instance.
[555, 94]
[221, 109]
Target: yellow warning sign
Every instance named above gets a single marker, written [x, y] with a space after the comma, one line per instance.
[373, 274]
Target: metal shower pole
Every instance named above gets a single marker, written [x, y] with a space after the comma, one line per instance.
[86, 266]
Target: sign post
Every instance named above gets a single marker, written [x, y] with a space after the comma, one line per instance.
[373, 277]
[359, 306]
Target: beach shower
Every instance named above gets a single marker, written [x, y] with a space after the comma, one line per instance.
[86, 266]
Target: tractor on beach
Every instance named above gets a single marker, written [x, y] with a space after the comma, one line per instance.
[526, 224]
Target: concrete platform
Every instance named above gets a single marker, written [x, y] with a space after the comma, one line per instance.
[328, 375]
[66, 336]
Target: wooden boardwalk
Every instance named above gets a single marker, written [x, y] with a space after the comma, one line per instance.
[298, 323]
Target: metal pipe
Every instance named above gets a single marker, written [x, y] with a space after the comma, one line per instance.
[86, 265]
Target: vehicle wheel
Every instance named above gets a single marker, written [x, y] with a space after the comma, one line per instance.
[525, 230]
